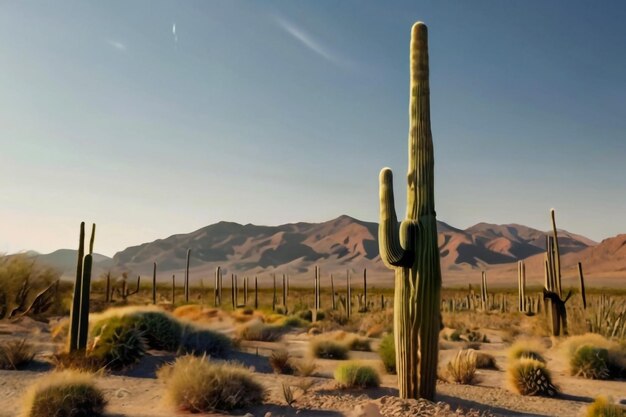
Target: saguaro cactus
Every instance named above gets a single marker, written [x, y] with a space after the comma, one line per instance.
[521, 286]
[187, 276]
[412, 251]
[154, 286]
[79, 315]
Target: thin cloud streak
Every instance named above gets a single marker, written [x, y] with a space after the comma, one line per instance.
[117, 45]
[312, 44]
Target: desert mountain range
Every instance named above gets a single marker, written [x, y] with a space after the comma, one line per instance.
[346, 243]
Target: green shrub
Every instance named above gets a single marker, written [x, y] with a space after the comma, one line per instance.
[355, 375]
[64, 394]
[16, 354]
[485, 361]
[328, 349]
[199, 341]
[603, 407]
[462, 368]
[305, 315]
[530, 377]
[360, 344]
[160, 330]
[197, 385]
[118, 343]
[590, 362]
[294, 321]
[387, 353]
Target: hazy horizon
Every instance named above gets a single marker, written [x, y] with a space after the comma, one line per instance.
[157, 118]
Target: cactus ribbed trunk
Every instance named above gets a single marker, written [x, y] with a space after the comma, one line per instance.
[412, 251]
[75, 312]
[84, 302]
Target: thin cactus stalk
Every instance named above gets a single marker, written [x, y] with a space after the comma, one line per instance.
[173, 289]
[484, 296]
[218, 298]
[521, 282]
[236, 291]
[154, 285]
[348, 295]
[245, 291]
[187, 276]
[256, 293]
[581, 279]
[107, 289]
[232, 291]
[274, 299]
[332, 290]
[412, 251]
[75, 312]
[84, 302]
[365, 289]
[285, 293]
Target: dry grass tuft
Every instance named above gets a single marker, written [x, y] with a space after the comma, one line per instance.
[67, 393]
[16, 354]
[304, 367]
[280, 361]
[462, 368]
[259, 331]
[196, 384]
[324, 348]
[485, 361]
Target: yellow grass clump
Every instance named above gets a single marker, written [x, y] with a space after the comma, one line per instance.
[462, 368]
[196, 384]
[67, 393]
[604, 407]
[356, 375]
[527, 348]
[15, 354]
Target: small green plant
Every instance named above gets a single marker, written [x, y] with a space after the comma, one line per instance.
[462, 368]
[196, 384]
[198, 341]
[16, 354]
[529, 376]
[280, 361]
[604, 407]
[387, 353]
[64, 394]
[355, 375]
[328, 349]
[590, 362]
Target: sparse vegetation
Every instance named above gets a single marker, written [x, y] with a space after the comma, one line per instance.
[304, 367]
[528, 376]
[64, 394]
[196, 384]
[485, 361]
[257, 330]
[117, 343]
[526, 348]
[16, 354]
[280, 361]
[462, 368]
[360, 344]
[356, 375]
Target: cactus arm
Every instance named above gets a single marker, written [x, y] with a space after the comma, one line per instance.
[391, 251]
[75, 312]
[557, 254]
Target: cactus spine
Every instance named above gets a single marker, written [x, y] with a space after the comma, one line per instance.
[412, 250]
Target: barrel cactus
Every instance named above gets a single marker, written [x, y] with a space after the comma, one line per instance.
[412, 250]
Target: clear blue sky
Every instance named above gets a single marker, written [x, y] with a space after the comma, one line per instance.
[278, 111]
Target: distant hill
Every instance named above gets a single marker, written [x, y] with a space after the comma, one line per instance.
[64, 260]
[336, 245]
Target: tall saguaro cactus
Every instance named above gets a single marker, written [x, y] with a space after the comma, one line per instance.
[79, 315]
[412, 251]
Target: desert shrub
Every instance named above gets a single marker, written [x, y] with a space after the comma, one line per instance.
[590, 362]
[304, 367]
[387, 353]
[64, 394]
[529, 376]
[455, 336]
[328, 349]
[259, 331]
[294, 321]
[603, 407]
[117, 343]
[16, 354]
[160, 330]
[280, 361]
[462, 368]
[526, 349]
[485, 361]
[76, 360]
[375, 331]
[616, 360]
[360, 344]
[305, 315]
[199, 341]
[196, 384]
[355, 375]
[471, 345]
